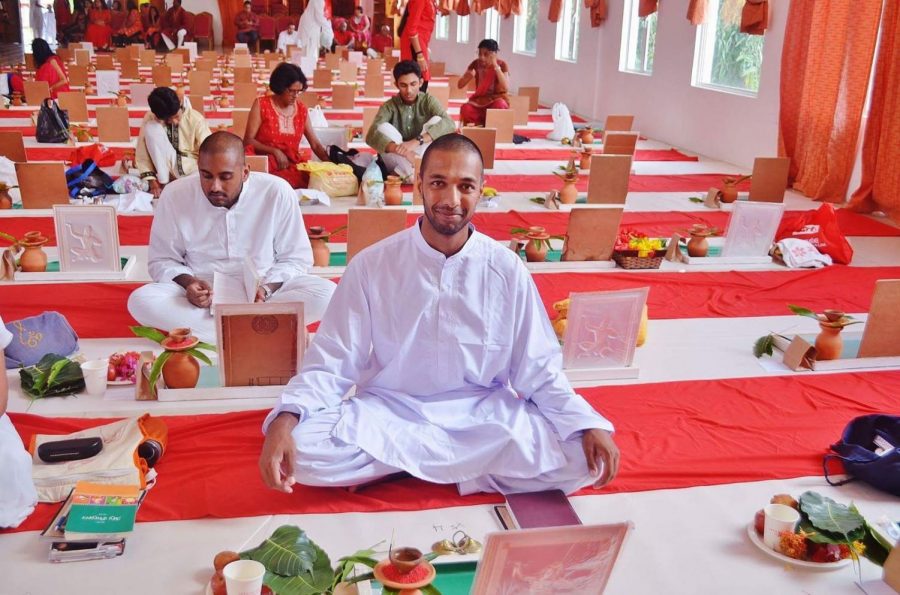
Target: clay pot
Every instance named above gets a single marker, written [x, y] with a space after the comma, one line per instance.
[181, 370]
[5, 200]
[536, 247]
[16, 99]
[728, 194]
[697, 246]
[405, 559]
[89, 89]
[586, 136]
[829, 343]
[33, 259]
[318, 238]
[224, 101]
[122, 101]
[833, 315]
[585, 162]
[569, 193]
[393, 193]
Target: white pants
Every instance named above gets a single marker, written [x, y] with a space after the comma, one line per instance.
[165, 305]
[161, 151]
[17, 494]
[168, 40]
[397, 163]
[323, 460]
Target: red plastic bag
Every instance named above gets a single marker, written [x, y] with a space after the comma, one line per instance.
[819, 228]
[97, 153]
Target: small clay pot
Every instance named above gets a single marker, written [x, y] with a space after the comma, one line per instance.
[585, 162]
[833, 315]
[5, 200]
[33, 259]
[181, 370]
[697, 246]
[586, 135]
[393, 193]
[89, 89]
[405, 559]
[829, 342]
[122, 101]
[224, 101]
[16, 99]
[728, 194]
[569, 193]
[536, 247]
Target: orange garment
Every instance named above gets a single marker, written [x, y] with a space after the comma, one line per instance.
[647, 7]
[881, 149]
[599, 12]
[132, 24]
[555, 11]
[49, 74]
[696, 13]
[98, 30]
[825, 64]
[755, 17]
[462, 8]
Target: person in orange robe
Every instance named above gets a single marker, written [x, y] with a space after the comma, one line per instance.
[416, 28]
[98, 31]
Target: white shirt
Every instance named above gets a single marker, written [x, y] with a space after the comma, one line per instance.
[441, 350]
[286, 39]
[189, 235]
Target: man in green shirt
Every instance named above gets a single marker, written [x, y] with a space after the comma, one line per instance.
[407, 122]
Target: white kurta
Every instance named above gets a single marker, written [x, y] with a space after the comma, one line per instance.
[191, 236]
[458, 372]
[312, 21]
[286, 40]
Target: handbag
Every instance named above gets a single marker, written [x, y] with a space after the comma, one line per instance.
[88, 179]
[857, 451]
[36, 336]
[52, 123]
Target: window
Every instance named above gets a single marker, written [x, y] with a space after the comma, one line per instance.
[525, 28]
[442, 27]
[567, 32]
[724, 58]
[638, 40]
[462, 29]
[492, 24]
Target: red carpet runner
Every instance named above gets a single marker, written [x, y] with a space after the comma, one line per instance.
[671, 435]
[98, 310]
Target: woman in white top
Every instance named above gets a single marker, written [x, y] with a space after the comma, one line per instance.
[17, 494]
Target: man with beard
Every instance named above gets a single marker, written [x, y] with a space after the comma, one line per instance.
[458, 373]
[210, 222]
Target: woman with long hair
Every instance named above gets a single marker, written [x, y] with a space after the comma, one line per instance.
[98, 31]
[74, 31]
[132, 30]
[49, 67]
[152, 34]
[278, 122]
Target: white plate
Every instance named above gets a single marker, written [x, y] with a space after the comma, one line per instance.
[758, 542]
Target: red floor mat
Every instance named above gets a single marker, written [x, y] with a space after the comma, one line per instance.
[541, 184]
[562, 154]
[97, 310]
[671, 435]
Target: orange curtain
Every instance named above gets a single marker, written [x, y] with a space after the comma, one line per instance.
[755, 17]
[555, 11]
[229, 9]
[880, 188]
[697, 11]
[647, 7]
[599, 11]
[825, 64]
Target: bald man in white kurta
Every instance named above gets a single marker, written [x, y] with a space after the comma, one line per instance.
[457, 370]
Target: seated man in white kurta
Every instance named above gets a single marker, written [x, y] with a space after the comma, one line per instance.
[210, 222]
[458, 373]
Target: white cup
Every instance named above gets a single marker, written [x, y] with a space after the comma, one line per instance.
[244, 577]
[779, 517]
[94, 372]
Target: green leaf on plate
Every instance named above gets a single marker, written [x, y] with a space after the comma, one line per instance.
[305, 584]
[827, 515]
[695, 199]
[289, 552]
[763, 346]
[876, 549]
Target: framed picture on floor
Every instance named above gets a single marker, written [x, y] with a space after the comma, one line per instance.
[602, 328]
[569, 559]
[87, 238]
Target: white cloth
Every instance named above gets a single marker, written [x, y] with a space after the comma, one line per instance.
[159, 147]
[398, 164]
[165, 305]
[458, 372]
[797, 253]
[36, 17]
[50, 28]
[17, 494]
[191, 236]
[312, 21]
[171, 44]
[286, 39]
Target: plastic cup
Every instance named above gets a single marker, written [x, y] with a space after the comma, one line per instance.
[94, 372]
[244, 577]
[779, 517]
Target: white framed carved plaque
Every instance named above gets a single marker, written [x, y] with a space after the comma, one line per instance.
[87, 238]
[752, 228]
[603, 328]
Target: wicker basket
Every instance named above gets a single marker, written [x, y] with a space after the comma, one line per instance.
[629, 259]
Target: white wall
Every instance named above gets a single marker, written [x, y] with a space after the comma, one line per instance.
[666, 106]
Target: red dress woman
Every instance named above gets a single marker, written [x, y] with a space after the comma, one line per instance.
[492, 84]
[278, 122]
[416, 34]
[49, 67]
[98, 31]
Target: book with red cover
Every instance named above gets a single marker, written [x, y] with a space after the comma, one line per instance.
[550, 508]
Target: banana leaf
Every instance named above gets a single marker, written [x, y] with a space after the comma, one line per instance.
[295, 565]
[52, 376]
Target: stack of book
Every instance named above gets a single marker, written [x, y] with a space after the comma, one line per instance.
[93, 521]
